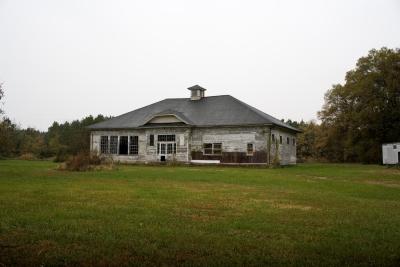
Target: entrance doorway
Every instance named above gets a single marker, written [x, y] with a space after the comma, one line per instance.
[164, 149]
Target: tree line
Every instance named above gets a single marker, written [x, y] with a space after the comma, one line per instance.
[60, 140]
[357, 117]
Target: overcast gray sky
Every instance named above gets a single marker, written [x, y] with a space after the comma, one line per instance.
[63, 60]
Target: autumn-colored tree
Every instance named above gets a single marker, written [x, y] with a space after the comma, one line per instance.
[364, 112]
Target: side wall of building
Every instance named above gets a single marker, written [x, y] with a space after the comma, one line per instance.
[190, 144]
[286, 150]
[234, 141]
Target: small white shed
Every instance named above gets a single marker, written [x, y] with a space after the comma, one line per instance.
[391, 153]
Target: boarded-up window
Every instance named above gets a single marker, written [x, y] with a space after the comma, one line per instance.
[133, 145]
[212, 149]
[104, 144]
[113, 144]
[250, 149]
[151, 142]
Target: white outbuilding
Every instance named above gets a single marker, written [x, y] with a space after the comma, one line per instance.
[391, 153]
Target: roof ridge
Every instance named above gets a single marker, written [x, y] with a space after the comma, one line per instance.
[189, 97]
[265, 115]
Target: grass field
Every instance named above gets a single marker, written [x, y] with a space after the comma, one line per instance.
[317, 214]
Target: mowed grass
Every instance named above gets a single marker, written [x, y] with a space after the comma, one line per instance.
[311, 214]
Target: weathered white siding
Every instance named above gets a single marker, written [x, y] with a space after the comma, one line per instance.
[287, 152]
[234, 142]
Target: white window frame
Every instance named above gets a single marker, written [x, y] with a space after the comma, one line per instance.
[253, 150]
[129, 145]
[108, 145]
[212, 149]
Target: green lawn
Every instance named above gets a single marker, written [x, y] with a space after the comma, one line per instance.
[313, 214]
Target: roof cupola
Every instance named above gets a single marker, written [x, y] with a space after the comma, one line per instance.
[197, 92]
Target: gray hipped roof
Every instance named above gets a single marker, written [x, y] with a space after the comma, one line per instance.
[223, 110]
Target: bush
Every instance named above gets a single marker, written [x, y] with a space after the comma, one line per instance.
[80, 162]
[28, 156]
[86, 162]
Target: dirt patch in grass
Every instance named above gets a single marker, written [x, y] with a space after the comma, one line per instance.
[276, 204]
[293, 206]
[384, 183]
[313, 177]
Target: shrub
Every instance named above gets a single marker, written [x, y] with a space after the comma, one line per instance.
[80, 162]
[85, 162]
[28, 156]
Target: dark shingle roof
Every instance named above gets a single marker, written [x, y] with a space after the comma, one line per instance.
[223, 110]
[197, 87]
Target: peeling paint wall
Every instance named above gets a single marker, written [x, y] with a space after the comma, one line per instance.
[189, 144]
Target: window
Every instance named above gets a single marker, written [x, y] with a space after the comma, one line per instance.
[294, 141]
[169, 148]
[394, 146]
[273, 138]
[113, 144]
[217, 149]
[280, 139]
[151, 142]
[162, 149]
[104, 145]
[133, 145]
[123, 145]
[166, 138]
[287, 140]
[250, 149]
[208, 149]
[212, 149]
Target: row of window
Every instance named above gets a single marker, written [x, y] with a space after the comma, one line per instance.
[161, 138]
[129, 145]
[281, 140]
[166, 148]
[122, 145]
